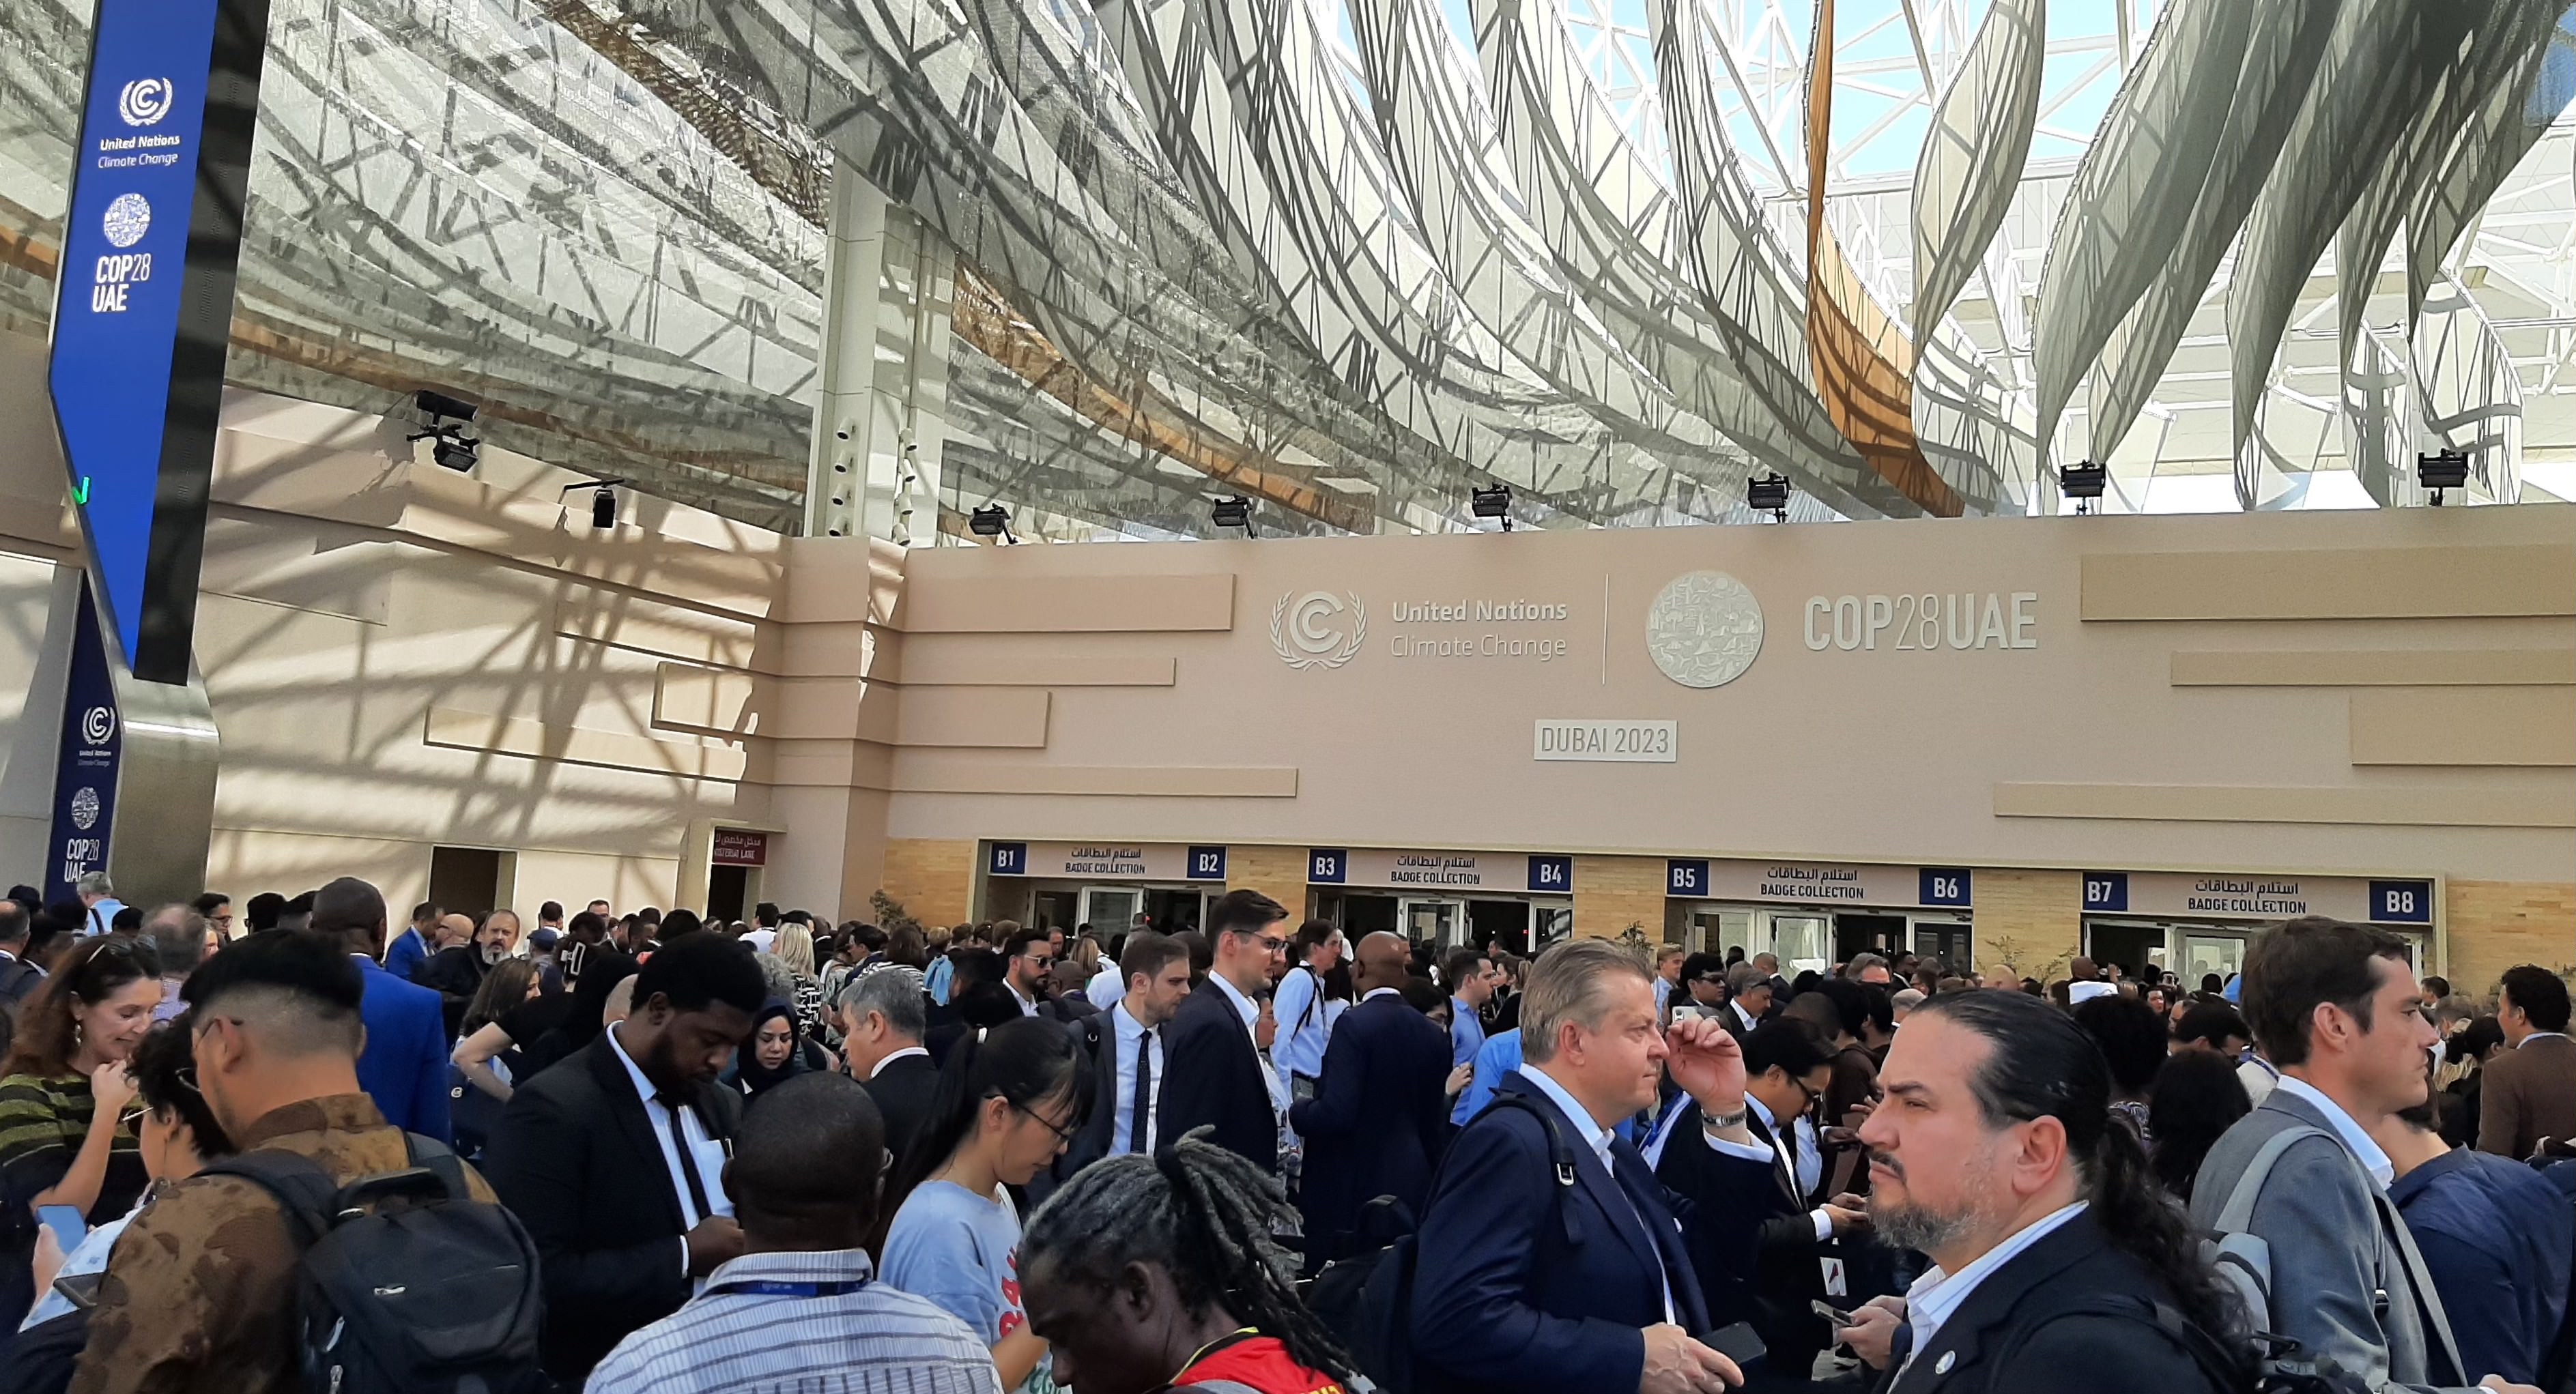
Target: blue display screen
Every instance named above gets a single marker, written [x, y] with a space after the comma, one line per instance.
[125, 251]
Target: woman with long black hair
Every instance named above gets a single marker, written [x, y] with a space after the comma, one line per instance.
[1010, 1098]
[1151, 1273]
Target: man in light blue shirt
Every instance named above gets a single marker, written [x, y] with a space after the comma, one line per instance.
[1298, 1007]
[1470, 977]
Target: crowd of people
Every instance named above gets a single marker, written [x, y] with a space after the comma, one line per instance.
[657, 1152]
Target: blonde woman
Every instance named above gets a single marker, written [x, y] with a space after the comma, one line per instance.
[795, 948]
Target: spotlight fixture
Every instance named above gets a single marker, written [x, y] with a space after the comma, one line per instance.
[448, 443]
[2083, 482]
[435, 404]
[603, 503]
[1495, 502]
[2440, 470]
[991, 520]
[1769, 494]
[1234, 513]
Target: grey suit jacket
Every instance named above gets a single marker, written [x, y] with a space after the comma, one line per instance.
[2340, 1281]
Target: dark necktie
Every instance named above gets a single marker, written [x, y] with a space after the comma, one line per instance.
[672, 1104]
[1140, 1114]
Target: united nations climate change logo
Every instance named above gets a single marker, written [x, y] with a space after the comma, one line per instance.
[1704, 629]
[97, 724]
[144, 101]
[84, 808]
[1318, 629]
[128, 218]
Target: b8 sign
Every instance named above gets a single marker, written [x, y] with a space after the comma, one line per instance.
[2401, 902]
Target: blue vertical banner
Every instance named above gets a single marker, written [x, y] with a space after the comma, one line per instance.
[93, 743]
[143, 305]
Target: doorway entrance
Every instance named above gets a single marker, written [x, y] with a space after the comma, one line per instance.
[1442, 922]
[728, 892]
[1357, 912]
[1945, 940]
[1868, 934]
[470, 881]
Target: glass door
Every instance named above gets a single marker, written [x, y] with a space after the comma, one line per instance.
[1443, 922]
[1551, 922]
[2223, 954]
[1801, 942]
[1111, 910]
[1714, 929]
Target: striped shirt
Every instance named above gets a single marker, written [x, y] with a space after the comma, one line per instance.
[750, 1333]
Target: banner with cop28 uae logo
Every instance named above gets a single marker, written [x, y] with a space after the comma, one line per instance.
[143, 305]
[85, 770]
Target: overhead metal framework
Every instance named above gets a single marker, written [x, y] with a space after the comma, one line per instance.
[1352, 259]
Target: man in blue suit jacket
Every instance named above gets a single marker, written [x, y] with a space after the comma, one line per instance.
[403, 1066]
[1550, 1258]
[1376, 1123]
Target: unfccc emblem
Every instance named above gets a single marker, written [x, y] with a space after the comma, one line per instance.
[144, 101]
[1318, 629]
[97, 724]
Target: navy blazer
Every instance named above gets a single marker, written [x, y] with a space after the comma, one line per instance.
[1525, 1287]
[1212, 1076]
[403, 1066]
[1376, 1123]
[1770, 1280]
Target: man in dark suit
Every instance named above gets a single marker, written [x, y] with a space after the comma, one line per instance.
[1128, 1059]
[2530, 1090]
[1994, 1154]
[614, 1159]
[1786, 1065]
[1216, 1077]
[1749, 999]
[1379, 1117]
[1529, 1284]
[403, 1065]
[882, 1017]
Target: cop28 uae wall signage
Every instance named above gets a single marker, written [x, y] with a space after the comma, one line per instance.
[85, 770]
[143, 305]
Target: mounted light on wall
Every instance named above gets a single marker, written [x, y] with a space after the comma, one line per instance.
[1495, 502]
[603, 502]
[1769, 494]
[449, 446]
[2441, 470]
[992, 520]
[1234, 513]
[2083, 482]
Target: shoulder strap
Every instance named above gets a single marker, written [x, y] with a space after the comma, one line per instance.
[2224, 1371]
[2419, 1278]
[1314, 999]
[302, 1188]
[433, 1156]
[1560, 1153]
[2238, 1212]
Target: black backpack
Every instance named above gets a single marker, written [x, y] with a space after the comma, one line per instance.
[1367, 1301]
[408, 1285]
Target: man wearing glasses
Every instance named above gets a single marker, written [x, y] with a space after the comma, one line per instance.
[1028, 955]
[1216, 1075]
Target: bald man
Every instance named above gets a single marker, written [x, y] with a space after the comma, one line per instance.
[1377, 1121]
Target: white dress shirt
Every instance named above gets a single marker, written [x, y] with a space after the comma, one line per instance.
[1133, 1036]
[1936, 1294]
[1106, 986]
[1028, 1005]
[709, 1154]
[2373, 1158]
[1749, 1019]
[1599, 1139]
[893, 1056]
[1244, 1006]
[1789, 1169]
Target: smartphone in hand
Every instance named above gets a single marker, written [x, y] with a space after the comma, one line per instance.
[1831, 1313]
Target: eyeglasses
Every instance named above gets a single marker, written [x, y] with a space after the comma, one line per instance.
[1063, 1136]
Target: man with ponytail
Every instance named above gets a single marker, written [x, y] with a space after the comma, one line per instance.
[2058, 1261]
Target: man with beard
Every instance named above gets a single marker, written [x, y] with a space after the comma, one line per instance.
[1995, 1153]
[615, 1159]
[456, 971]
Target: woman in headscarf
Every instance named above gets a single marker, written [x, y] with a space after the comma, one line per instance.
[774, 1054]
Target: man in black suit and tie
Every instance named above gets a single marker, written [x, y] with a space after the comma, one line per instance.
[1748, 1000]
[1216, 1074]
[614, 1159]
[1787, 1065]
[883, 1015]
[1127, 1059]
[1379, 1117]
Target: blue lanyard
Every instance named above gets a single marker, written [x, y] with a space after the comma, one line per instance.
[766, 1288]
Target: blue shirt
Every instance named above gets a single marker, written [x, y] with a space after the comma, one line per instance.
[962, 1252]
[2497, 1237]
[1496, 1058]
[1304, 1025]
[751, 1330]
[1466, 1037]
[936, 981]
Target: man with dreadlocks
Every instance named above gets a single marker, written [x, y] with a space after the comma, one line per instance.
[1152, 1273]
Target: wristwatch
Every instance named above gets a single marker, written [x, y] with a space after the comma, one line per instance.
[1720, 1122]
